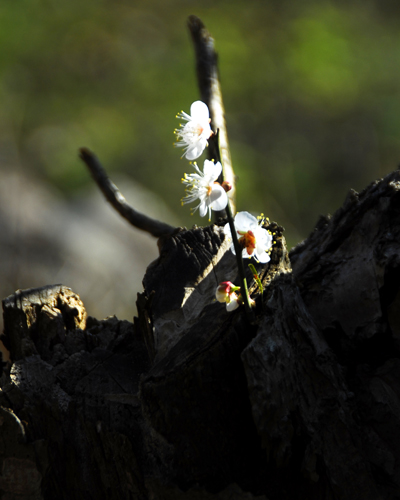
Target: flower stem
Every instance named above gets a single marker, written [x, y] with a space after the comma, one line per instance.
[239, 260]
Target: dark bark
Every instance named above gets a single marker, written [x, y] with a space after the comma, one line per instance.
[189, 402]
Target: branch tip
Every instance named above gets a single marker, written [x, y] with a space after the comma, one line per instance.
[210, 92]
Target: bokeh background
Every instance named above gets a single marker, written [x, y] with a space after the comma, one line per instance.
[312, 98]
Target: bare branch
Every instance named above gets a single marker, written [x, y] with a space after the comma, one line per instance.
[210, 90]
[118, 201]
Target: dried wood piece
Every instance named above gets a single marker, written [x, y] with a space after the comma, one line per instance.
[301, 404]
[356, 249]
[21, 475]
[78, 408]
[35, 318]
[267, 407]
[190, 400]
[183, 281]
[348, 273]
[160, 491]
[195, 395]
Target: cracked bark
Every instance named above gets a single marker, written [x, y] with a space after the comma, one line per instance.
[190, 402]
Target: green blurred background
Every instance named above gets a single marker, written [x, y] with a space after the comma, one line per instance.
[311, 92]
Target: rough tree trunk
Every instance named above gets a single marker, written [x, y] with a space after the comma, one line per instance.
[189, 402]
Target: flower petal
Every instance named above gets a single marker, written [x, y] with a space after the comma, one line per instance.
[227, 231]
[218, 198]
[263, 244]
[199, 111]
[195, 150]
[244, 221]
[232, 305]
[212, 170]
[263, 258]
[203, 209]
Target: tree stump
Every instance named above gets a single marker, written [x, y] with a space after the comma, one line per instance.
[190, 402]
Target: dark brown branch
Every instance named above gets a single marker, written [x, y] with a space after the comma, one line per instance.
[210, 91]
[118, 201]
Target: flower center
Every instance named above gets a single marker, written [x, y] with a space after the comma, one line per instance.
[247, 241]
[192, 131]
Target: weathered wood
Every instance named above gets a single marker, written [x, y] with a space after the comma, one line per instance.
[74, 393]
[302, 406]
[348, 272]
[190, 402]
[36, 318]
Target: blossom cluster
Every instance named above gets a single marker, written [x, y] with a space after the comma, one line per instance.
[193, 137]
[203, 186]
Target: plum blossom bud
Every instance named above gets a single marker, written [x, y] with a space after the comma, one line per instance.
[226, 293]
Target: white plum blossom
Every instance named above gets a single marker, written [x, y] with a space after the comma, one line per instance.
[194, 134]
[254, 239]
[203, 186]
[226, 293]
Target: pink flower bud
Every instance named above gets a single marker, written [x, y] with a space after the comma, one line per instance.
[225, 294]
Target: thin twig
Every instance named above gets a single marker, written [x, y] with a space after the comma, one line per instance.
[210, 91]
[118, 201]
[239, 260]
